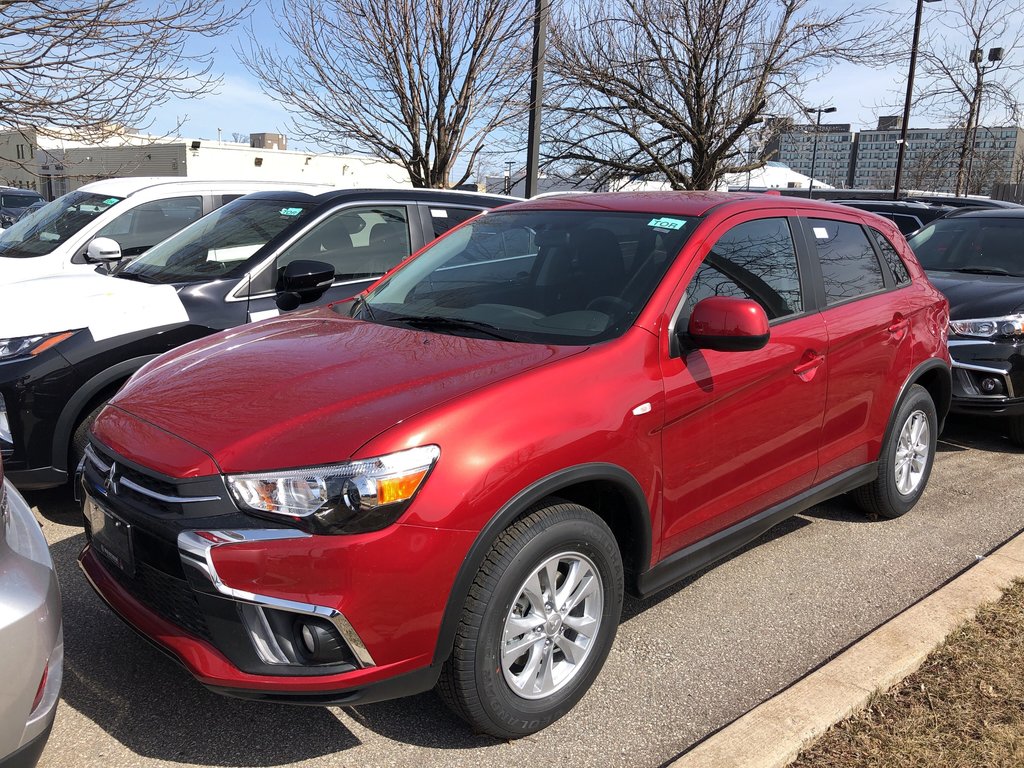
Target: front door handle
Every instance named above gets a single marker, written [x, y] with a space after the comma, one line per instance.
[808, 365]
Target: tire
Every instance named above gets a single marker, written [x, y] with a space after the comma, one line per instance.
[524, 691]
[906, 459]
[1016, 430]
[80, 437]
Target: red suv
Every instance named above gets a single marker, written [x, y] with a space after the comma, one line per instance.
[452, 478]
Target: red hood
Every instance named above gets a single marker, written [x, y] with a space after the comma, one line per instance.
[311, 388]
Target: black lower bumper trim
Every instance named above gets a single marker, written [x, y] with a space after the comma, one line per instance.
[409, 684]
[37, 479]
[982, 408]
[28, 755]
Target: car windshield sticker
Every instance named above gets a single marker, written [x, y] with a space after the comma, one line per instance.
[291, 211]
[111, 200]
[666, 223]
[821, 233]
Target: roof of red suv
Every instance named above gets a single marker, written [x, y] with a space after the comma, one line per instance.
[678, 203]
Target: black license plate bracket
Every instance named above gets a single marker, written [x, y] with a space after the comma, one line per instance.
[111, 536]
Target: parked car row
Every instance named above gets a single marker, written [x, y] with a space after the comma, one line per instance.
[337, 475]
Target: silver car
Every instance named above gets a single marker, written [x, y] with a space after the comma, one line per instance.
[31, 633]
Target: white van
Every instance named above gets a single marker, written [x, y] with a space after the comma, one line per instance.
[134, 213]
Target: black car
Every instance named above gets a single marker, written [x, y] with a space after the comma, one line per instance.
[14, 202]
[976, 258]
[68, 342]
[908, 215]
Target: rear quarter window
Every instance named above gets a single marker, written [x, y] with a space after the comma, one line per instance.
[892, 257]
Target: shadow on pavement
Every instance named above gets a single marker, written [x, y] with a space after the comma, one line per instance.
[982, 434]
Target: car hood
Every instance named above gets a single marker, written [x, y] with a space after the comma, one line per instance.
[979, 296]
[107, 306]
[313, 387]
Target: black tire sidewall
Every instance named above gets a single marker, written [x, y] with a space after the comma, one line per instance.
[917, 399]
[509, 712]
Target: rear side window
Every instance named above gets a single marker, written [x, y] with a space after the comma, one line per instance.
[849, 265]
[892, 258]
[754, 260]
[444, 218]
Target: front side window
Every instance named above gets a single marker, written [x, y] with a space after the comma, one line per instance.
[54, 224]
[754, 260]
[548, 277]
[359, 242]
[216, 244]
[143, 226]
[849, 265]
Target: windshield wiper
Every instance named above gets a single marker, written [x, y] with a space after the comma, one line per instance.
[137, 277]
[361, 302]
[982, 271]
[440, 322]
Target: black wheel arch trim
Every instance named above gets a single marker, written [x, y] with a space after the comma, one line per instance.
[514, 508]
[68, 419]
[941, 408]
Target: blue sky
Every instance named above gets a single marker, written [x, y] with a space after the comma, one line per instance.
[859, 94]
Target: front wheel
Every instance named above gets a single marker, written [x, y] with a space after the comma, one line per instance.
[906, 459]
[538, 623]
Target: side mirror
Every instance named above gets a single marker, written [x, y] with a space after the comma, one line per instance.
[303, 281]
[728, 325]
[102, 250]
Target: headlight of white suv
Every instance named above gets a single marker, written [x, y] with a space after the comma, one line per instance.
[353, 497]
[1011, 326]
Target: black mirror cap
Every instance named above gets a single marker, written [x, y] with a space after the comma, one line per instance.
[302, 281]
[726, 324]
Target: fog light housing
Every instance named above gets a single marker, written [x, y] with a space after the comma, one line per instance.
[991, 386]
[320, 642]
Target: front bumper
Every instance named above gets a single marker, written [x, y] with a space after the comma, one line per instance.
[988, 377]
[227, 595]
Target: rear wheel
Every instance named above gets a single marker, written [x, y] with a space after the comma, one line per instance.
[538, 623]
[906, 459]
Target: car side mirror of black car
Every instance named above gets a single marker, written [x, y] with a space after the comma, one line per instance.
[726, 324]
[303, 281]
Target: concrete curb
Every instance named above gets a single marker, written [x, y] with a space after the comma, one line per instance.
[773, 733]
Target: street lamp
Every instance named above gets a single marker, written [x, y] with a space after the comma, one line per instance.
[814, 146]
[995, 55]
[508, 176]
[902, 148]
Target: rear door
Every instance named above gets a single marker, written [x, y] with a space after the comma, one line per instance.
[868, 340]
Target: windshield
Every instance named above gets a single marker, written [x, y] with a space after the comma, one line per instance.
[42, 231]
[550, 277]
[217, 243]
[973, 244]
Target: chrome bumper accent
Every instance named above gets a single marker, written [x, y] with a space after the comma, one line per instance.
[195, 552]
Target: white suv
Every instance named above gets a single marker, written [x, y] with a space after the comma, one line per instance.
[134, 213]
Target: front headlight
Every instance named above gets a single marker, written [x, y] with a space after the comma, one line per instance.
[354, 497]
[31, 345]
[1010, 326]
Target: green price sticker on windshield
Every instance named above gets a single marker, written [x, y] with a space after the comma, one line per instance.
[666, 223]
[111, 200]
[291, 211]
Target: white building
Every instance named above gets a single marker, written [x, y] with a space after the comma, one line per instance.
[771, 175]
[54, 166]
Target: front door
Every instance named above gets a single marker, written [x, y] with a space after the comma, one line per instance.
[742, 428]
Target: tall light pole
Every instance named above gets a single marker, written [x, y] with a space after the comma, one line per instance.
[814, 146]
[995, 55]
[540, 34]
[902, 148]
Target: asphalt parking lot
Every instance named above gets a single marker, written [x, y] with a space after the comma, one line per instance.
[685, 662]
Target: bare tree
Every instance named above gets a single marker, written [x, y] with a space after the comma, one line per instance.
[425, 83]
[240, 138]
[95, 67]
[957, 86]
[669, 87]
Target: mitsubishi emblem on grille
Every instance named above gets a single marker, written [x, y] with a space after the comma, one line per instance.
[110, 481]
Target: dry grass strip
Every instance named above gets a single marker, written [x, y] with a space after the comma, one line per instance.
[964, 708]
